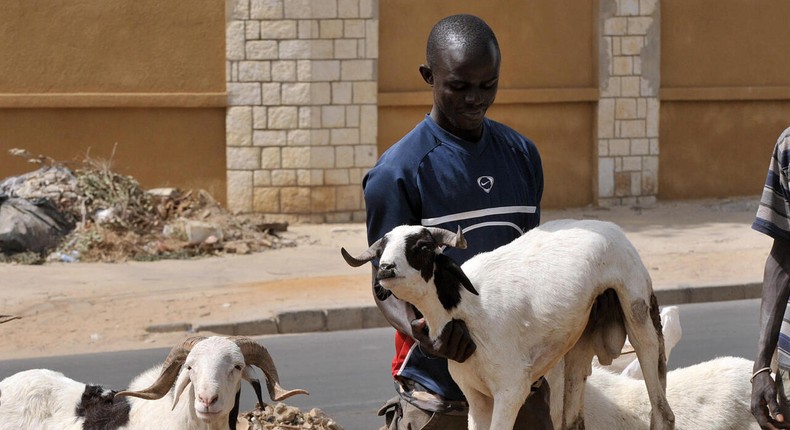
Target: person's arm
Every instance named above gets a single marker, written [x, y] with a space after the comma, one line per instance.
[453, 343]
[776, 290]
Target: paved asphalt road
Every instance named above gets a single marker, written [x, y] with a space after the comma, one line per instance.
[350, 382]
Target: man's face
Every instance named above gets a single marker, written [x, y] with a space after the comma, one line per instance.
[464, 86]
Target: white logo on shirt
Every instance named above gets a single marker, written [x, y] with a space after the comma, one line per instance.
[486, 183]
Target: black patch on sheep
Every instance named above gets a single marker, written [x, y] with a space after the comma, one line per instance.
[102, 410]
[233, 418]
[449, 278]
[420, 253]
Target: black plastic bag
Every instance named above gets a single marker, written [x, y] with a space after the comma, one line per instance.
[30, 225]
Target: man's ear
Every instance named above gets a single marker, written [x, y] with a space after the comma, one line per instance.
[427, 74]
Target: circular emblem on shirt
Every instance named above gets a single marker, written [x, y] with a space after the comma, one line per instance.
[486, 183]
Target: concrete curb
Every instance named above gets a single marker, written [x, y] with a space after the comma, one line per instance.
[351, 318]
[711, 293]
[291, 322]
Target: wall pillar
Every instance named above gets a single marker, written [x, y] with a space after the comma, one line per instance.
[628, 108]
[302, 120]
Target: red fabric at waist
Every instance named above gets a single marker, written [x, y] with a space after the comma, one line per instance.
[403, 345]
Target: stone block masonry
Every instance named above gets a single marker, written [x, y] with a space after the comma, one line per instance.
[628, 108]
[301, 121]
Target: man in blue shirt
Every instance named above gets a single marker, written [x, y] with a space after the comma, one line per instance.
[455, 168]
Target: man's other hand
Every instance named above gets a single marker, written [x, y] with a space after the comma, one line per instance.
[453, 343]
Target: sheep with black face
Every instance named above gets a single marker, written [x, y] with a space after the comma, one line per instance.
[527, 305]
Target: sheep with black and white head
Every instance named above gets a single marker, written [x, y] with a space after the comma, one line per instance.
[527, 305]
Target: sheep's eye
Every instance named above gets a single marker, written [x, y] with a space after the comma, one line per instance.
[425, 247]
[189, 367]
[237, 367]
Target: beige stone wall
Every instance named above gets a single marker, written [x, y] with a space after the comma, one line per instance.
[628, 107]
[302, 93]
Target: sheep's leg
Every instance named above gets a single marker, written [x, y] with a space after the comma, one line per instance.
[506, 406]
[577, 368]
[643, 324]
[480, 410]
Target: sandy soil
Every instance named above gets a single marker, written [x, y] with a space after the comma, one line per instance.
[95, 307]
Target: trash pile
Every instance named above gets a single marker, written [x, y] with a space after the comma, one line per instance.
[95, 214]
[283, 417]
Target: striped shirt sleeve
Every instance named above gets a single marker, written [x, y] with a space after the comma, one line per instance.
[773, 214]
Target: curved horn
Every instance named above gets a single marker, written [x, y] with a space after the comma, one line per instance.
[170, 368]
[446, 237]
[256, 355]
[366, 256]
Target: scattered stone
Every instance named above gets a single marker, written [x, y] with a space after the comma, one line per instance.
[237, 247]
[164, 193]
[283, 417]
[200, 232]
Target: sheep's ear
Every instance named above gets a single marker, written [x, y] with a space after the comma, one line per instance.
[249, 376]
[256, 355]
[181, 384]
[455, 269]
[448, 278]
[369, 254]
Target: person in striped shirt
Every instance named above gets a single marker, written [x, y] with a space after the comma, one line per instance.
[771, 397]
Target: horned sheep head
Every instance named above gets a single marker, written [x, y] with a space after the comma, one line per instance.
[206, 364]
[410, 257]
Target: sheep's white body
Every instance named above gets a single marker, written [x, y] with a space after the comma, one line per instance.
[535, 296]
[46, 400]
[712, 395]
[39, 399]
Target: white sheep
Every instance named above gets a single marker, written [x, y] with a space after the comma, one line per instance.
[209, 369]
[712, 395]
[614, 396]
[534, 301]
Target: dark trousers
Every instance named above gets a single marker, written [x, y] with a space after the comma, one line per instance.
[402, 415]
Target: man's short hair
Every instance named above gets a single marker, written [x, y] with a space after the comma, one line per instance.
[467, 31]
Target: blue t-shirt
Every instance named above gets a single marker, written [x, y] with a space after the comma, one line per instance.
[491, 189]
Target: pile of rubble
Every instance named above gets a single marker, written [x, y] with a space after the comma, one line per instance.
[95, 214]
[283, 417]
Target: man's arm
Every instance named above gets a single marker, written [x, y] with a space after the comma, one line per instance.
[454, 342]
[776, 290]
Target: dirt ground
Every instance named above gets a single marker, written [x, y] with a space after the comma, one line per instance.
[94, 307]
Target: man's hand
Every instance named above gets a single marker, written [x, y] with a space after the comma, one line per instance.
[453, 343]
[765, 408]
